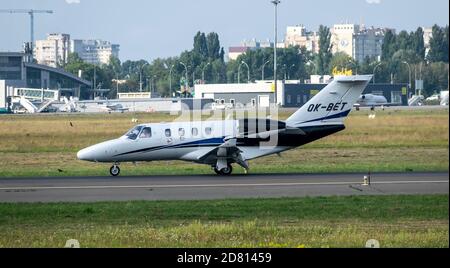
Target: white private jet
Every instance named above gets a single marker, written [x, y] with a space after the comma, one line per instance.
[370, 100]
[223, 143]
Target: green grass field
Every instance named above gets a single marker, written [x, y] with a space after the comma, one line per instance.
[396, 140]
[400, 141]
[395, 221]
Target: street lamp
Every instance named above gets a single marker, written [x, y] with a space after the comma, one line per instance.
[187, 81]
[117, 85]
[140, 76]
[153, 84]
[239, 72]
[264, 65]
[289, 70]
[203, 71]
[409, 69]
[170, 79]
[275, 3]
[311, 62]
[374, 69]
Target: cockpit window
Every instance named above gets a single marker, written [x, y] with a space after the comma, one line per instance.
[133, 133]
[146, 133]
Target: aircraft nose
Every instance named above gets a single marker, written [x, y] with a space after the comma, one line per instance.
[97, 153]
[85, 155]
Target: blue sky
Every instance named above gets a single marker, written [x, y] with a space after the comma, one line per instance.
[148, 29]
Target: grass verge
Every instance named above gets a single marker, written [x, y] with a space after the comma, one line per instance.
[396, 221]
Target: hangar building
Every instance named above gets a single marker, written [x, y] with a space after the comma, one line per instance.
[290, 94]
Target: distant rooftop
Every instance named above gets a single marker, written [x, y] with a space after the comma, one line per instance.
[238, 49]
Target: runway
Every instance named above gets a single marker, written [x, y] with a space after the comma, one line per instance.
[204, 187]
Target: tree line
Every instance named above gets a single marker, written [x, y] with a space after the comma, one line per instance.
[404, 57]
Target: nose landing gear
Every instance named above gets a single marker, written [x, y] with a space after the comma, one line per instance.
[114, 170]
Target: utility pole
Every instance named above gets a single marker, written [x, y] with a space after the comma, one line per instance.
[170, 80]
[262, 74]
[140, 76]
[276, 3]
[95, 77]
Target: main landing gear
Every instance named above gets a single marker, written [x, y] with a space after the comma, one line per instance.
[114, 170]
[224, 171]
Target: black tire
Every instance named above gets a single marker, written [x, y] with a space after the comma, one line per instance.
[226, 171]
[114, 171]
[217, 171]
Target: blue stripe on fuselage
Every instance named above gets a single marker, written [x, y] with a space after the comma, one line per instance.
[334, 116]
[211, 141]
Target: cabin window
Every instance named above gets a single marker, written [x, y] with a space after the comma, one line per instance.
[208, 131]
[194, 132]
[146, 133]
[168, 133]
[181, 132]
[133, 133]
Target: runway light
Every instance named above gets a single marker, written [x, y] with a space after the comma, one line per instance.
[366, 181]
[72, 243]
[372, 243]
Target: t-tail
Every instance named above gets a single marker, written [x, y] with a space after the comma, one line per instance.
[332, 104]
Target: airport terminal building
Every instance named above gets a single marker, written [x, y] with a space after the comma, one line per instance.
[17, 71]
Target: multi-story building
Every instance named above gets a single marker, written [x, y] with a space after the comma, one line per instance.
[357, 41]
[427, 35]
[235, 51]
[94, 51]
[342, 38]
[53, 51]
[299, 36]
[368, 43]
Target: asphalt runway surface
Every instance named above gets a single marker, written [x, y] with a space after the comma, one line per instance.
[201, 187]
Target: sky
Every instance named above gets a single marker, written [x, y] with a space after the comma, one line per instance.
[148, 29]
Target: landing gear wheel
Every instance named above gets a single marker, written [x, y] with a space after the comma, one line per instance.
[114, 170]
[217, 171]
[224, 171]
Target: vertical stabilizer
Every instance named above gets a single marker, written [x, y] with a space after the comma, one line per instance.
[332, 104]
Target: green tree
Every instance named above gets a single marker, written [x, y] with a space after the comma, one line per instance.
[418, 43]
[213, 46]
[200, 45]
[389, 45]
[325, 50]
[341, 60]
[438, 45]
